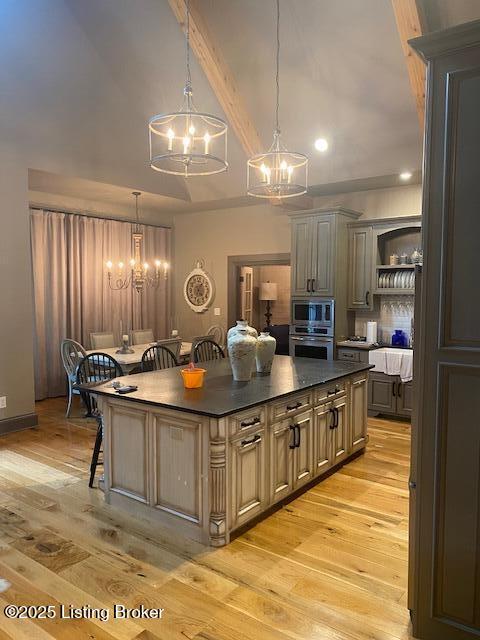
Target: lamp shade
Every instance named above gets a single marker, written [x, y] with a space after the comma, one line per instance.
[268, 291]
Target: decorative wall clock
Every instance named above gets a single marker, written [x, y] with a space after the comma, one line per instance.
[198, 289]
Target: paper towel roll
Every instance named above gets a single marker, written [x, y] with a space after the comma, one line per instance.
[371, 331]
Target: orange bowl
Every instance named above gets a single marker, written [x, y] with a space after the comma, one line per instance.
[193, 378]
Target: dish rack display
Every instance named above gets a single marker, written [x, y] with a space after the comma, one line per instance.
[396, 279]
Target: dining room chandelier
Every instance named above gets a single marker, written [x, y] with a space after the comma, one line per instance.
[277, 173]
[188, 142]
[139, 274]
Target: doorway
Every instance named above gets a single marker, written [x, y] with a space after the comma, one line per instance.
[259, 290]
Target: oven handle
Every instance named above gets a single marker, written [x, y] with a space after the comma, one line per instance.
[312, 339]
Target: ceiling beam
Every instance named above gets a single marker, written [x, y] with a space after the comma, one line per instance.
[219, 76]
[410, 25]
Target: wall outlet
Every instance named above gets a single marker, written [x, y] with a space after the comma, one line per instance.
[216, 311]
[3, 402]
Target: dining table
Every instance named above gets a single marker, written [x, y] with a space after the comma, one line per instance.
[129, 361]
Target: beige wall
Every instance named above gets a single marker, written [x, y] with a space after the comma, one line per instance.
[215, 235]
[16, 317]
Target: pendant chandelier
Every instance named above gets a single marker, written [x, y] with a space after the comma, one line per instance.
[140, 274]
[277, 173]
[188, 142]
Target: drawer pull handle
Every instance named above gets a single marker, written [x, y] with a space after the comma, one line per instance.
[332, 392]
[246, 443]
[250, 423]
[292, 407]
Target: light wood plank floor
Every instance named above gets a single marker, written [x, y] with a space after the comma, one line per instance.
[332, 565]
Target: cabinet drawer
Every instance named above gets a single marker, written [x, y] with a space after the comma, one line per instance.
[247, 420]
[290, 406]
[330, 391]
[348, 354]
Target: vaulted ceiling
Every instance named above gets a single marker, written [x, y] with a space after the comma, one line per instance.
[80, 78]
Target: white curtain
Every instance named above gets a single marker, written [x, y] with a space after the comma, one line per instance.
[71, 293]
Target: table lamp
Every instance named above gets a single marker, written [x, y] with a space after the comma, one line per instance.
[268, 293]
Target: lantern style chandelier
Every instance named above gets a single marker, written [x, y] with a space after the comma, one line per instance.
[140, 274]
[188, 142]
[277, 173]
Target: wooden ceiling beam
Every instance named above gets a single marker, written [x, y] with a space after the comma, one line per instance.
[219, 76]
[410, 25]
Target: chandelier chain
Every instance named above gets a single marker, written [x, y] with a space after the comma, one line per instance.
[277, 76]
[187, 44]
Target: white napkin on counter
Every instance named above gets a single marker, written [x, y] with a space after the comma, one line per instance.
[393, 363]
[406, 367]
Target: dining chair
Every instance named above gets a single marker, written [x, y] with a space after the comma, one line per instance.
[142, 336]
[97, 367]
[174, 344]
[217, 333]
[207, 350]
[72, 353]
[102, 340]
[158, 357]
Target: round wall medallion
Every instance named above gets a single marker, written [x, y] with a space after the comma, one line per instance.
[198, 289]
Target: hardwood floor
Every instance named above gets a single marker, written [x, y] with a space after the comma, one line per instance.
[331, 565]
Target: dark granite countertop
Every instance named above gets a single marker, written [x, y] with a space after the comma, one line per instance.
[221, 395]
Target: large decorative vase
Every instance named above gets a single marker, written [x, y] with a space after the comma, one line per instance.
[266, 345]
[242, 349]
[242, 324]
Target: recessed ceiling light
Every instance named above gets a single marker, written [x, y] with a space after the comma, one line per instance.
[321, 144]
[405, 175]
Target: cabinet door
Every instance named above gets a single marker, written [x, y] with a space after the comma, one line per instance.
[248, 477]
[358, 419]
[302, 454]
[382, 393]
[404, 398]
[339, 434]
[301, 257]
[281, 458]
[323, 256]
[360, 249]
[323, 420]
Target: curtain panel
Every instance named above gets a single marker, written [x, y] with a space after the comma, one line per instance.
[70, 287]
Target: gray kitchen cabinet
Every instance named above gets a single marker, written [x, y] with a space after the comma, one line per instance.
[404, 398]
[302, 454]
[381, 393]
[349, 354]
[319, 248]
[358, 416]
[248, 477]
[388, 394]
[340, 431]
[360, 267]
[301, 256]
[323, 241]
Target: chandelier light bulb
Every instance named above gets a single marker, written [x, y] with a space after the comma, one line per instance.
[170, 136]
[191, 130]
[207, 139]
[120, 265]
[109, 265]
[132, 263]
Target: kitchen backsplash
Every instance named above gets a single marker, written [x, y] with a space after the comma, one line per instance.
[391, 312]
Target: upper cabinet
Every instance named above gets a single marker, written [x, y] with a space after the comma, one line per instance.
[360, 257]
[371, 244]
[319, 246]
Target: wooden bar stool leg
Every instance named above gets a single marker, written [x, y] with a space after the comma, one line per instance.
[96, 452]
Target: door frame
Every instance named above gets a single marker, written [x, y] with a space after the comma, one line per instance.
[252, 260]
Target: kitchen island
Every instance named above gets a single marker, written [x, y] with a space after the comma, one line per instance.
[207, 461]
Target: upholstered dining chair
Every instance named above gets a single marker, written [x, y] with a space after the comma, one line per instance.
[97, 367]
[102, 340]
[174, 344]
[142, 336]
[158, 357]
[72, 353]
[207, 350]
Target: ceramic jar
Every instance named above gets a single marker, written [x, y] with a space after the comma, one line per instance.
[242, 324]
[416, 256]
[242, 349]
[266, 345]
